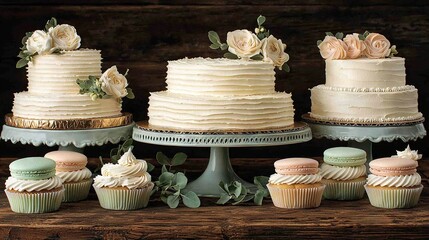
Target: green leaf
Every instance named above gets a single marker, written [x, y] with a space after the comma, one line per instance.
[181, 180]
[361, 37]
[164, 198]
[166, 178]
[150, 167]
[261, 181]
[230, 55]
[238, 188]
[261, 35]
[191, 200]
[339, 35]
[214, 46]
[224, 198]
[365, 34]
[21, 63]
[257, 57]
[224, 46]
[214, 37]
[260, 20]
[224, 187]
[130, 94]
[162, 159]
[285, 67]
[115, 158]
[127, 144]
[173, 201]
[164, 169]
[179, 159]
[114, 152]
[259, 196]
[50, 23]
[241, 197]
[329, 34]
[319, 42]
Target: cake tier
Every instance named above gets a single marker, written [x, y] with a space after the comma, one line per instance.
[366, 73]
[364, 104]
[57, 73]
[205, 76]
[63, 106]
[220, 113]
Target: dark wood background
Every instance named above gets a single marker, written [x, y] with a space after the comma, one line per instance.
[143, 35]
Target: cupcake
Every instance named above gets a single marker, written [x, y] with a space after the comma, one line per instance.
[33, 186]
[344, 173]
[71, 168]
[393, 183]
[296, 183]
[124, 186]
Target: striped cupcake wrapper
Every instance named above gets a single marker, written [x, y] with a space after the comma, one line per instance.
[124, 199]
[344, 190]
[75, 192]
[393, 198]
[37, 202]
[296, 198]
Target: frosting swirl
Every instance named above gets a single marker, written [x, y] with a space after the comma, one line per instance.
[75, 176]
[341, 173]
[394, 181]
[294, 179]
[33, 185]
[129, 182]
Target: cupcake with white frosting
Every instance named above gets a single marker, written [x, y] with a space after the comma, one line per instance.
[124, 186]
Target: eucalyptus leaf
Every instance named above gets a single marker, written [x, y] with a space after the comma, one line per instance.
[230, 55]
[339, 35]
[259, 197]
[260, 20]
[319, 42]
[164, 169]
[114, 152]
[224, 198]
[166, 178]
[238, 188]
[261, 35]
[361, 37]
[127, 144]
[241, 197]
[181, 180]
[150, 167]
[224, 46]
[130, 94]
[191, 200]
[257, 57]
[164, 198]
[162, 159]
[286, 67]
[261, 181]
[329, 34]
[21, 63]
[365, 34]
[115, 158]
[173, 201]
[214, 37]
[214, 46]
[178, 159]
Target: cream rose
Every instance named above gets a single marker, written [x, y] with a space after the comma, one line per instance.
[332, 48]
[243, 43]
[39, 42]
[65, 37]
[377, 46]
[113, 83]
[355, 46]
[273, 50]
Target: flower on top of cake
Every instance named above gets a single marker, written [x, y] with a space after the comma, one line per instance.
[352, 46]
[258, 45]
[408, 153]
[52, 39]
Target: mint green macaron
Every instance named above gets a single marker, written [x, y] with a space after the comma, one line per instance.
[344, 156]
[32, 168]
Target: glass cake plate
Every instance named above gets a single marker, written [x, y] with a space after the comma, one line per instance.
[219, 167]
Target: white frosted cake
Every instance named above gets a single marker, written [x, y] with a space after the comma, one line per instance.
[53, 92]
[219, 95]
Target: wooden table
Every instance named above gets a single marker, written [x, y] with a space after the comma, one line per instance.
[333, 219]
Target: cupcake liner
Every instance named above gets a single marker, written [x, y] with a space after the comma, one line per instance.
[123, 199]
[76, 191]
[344, 190]
[393, 198]
[296, 197]
[37, 202]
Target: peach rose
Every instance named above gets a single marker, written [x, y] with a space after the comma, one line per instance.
[332, 48]
[273, 51]
[243, 43]
[355, 46]
[377, 46]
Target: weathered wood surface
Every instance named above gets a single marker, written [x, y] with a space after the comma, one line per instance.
[143, 35]
[333, 219]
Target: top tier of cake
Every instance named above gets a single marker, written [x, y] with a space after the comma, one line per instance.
[220, 77]
[57, 73]
[366, 73]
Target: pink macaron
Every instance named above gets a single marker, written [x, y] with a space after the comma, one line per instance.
[393, 166]
[68, 161]
[296, 166]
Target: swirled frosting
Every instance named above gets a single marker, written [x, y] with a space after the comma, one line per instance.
[394, 181]
[75, 176]
[341, 173]
[129, 172]
[33, 185]
[294, 179]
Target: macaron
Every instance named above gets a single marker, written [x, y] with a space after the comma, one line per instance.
[32, 168]
[296, 166]
[68, 161]
[393, 166]
[344, 156]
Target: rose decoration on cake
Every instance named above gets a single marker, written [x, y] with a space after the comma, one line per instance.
[369, 45]
[53, 39]
[246, 45]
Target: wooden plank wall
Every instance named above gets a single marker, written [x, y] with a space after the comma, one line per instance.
[143, 35]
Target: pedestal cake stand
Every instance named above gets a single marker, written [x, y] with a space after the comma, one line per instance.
[364, 135]
[67, 134]
[219, 167]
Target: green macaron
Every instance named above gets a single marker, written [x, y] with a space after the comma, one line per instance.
[32, 168]
[344, 156]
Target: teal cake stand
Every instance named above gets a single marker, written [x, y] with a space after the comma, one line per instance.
[219, 167]
[363, 136]
[72, 140]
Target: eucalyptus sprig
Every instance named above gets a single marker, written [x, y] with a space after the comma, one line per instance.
[261, 31]
[171, 184]
[239, 193]
[217, 44]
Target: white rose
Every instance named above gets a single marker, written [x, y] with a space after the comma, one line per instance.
[39, 42]
[65, 37]
[355, 46]
[113, 83]
[377, 46]
[332, 48]
[243, 43]
[273, 50]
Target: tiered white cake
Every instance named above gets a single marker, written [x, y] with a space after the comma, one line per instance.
[53, 92]
[365, 90]
[220, 94]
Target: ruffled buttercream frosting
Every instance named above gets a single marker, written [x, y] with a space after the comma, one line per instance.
[394, 181]
[33, 185]
[342, 173]
[130, 172]
[75, 176]
[294, 179]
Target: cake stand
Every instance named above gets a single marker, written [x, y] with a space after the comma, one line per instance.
[364, 135]
[219, 167]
